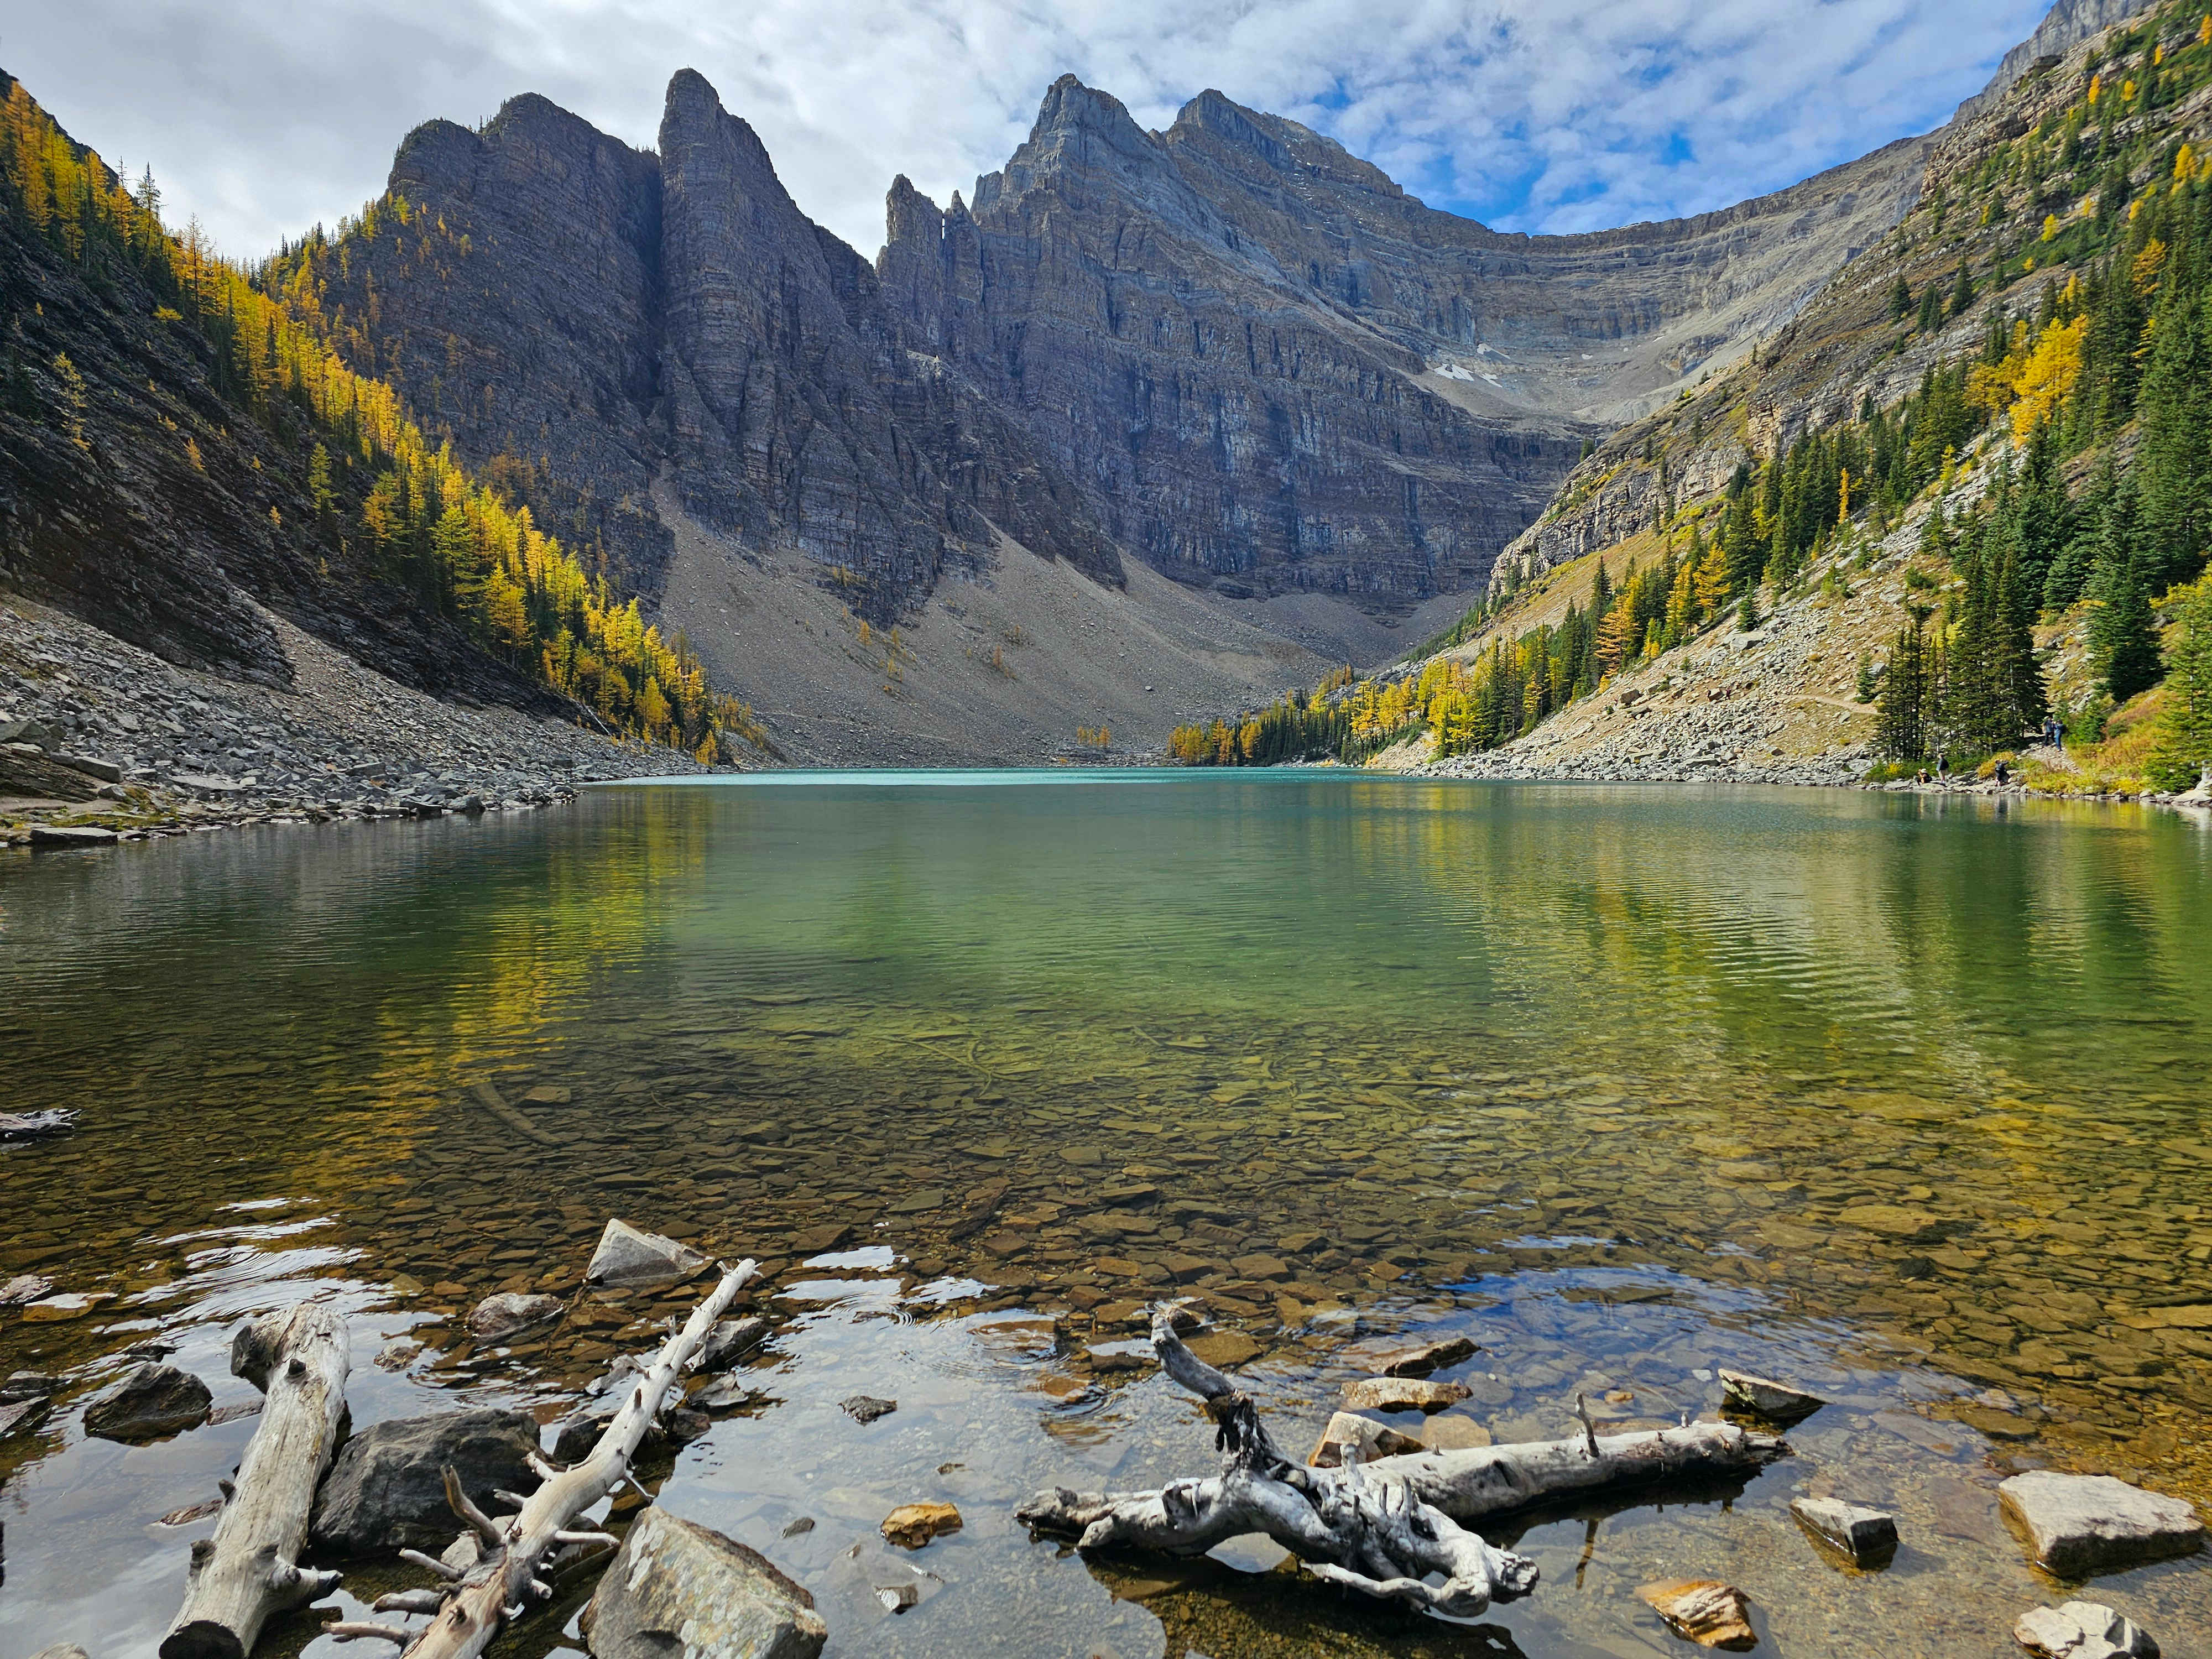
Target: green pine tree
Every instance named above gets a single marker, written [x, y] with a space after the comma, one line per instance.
[2184, 755]
[2123, 640]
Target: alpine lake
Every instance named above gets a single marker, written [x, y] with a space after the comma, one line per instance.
[1907, 1101]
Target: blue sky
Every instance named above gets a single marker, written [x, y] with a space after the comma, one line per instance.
[264, 116]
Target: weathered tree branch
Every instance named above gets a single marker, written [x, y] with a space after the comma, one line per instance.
[1384, 1528]
[247, 1571]
[507, 1579]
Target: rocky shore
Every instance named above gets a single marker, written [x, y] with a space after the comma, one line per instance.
[101, 741]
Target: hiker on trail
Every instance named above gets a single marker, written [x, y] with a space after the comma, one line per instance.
[2004, 774]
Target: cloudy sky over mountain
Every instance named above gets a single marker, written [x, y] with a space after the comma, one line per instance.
[264, 116]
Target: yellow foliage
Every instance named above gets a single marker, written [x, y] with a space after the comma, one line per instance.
[2048, 375]
[2183, 160]
[2049, 226]
[2148, 264]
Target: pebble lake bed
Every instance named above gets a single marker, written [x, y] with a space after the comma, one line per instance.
[1898, 1100]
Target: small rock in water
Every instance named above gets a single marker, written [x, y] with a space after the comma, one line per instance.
[1224, 1350]
[1761, 1396]
[729, 1342]
[1408, 1356]
[1363, 1435]
[1868, 1537]
[899, 1598]
[679, 1587]
[20, 1414]
[628, 1256]
[152, 1403]
[1401, 1393]
[910, 1526]
[24, 1287]
[28, 1126]
[69, 1305]
[397, 1356]
[184, 1517]
[804, 1524]
[1709, 1613]
[2081, 1524]
[386, 1486]
[28, 1385]
[723, 1393]
[497, 1317]
[2082, 1630]
[867, 1408]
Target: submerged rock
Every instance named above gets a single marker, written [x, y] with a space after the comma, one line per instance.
[867, 1408]
[497, 1317]
[1868, 1537]
[676, 1588]
[386, 1486]
[1363, 1435]
[1408, 1356]
[152, 1403]
[912, 1525]
[2082, 1630]
[628, 1256]
[1762, 1396]
[2081, 1524]
[1706, 1611]
[728, 1342]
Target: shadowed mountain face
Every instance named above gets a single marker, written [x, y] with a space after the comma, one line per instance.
[1230, 350]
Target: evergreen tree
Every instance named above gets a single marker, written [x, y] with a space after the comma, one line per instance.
[2184, 754]
[2123, 640]
[2174, 463]
[1931, 309]
[1962, 291]
[1900, 299]
[1900, 715]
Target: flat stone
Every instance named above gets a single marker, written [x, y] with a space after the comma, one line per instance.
[2082, 1630]
[2081, 1524]
[1363, 1435]
[730, 1342]
[1408, 1356]
[1762, 1396]
[1106, 1358]
[499, 1316]
[866, 1407]
[1224, 1350]
[1892, 1219]
[1261, 1266]
[385, 1489]
[910, 1526]
[1997, 1424]
[1867, 1537]
[815, 1240]
[549, 1094]
[628, 1256]
[1401, 1393]
[152, 1403]
[1705, 1611]
[677, 1587]
[70, 835]
[929, 1197]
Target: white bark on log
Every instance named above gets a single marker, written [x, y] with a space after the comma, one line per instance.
[510, 1576]
[249, 1569]
[1383, 1529]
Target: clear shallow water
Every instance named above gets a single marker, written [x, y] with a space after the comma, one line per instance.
[1905, 1099]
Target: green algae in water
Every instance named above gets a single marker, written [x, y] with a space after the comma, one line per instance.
[1630, 1083]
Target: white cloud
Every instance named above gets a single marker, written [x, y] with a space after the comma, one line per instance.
[264, 116]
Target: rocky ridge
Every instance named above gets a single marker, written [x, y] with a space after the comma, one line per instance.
[161, 750]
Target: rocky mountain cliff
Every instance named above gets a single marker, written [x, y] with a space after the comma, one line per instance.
[1231, 349]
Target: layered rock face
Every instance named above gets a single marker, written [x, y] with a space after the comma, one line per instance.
[518, 309]
[1230, 349]
[1264, 361]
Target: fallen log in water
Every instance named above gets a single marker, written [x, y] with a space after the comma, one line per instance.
[474, 1605]
[249, 1569]
[1383, 1528]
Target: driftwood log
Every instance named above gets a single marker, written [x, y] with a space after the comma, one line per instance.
[1383, 1529]
[475, 1604]
[249, 1568]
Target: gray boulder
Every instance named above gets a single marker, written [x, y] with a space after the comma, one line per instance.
[497, 1317]
[729, 1342]
[2079, 1524]
[626, 1257]
[1868, 1537]
[1762, 1396]
[2082, 1630]
[386, 1487]
[152, 1403]
[679, 1587]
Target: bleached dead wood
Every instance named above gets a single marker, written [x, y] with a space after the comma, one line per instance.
[249, 1569]
[488, 1096]
[1384, 1528]
[474, 1605]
